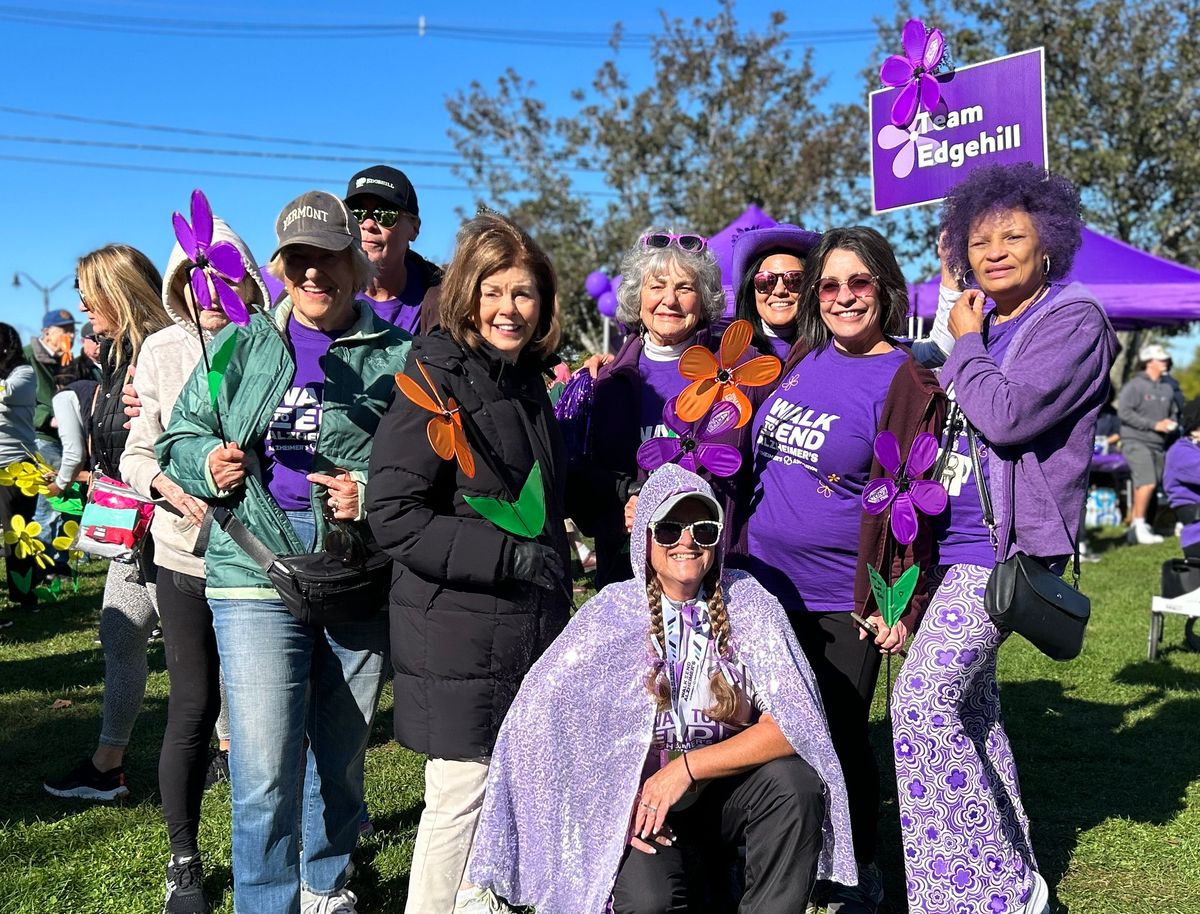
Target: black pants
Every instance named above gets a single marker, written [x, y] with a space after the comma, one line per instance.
[1193, 551]
[195, 701]
[846, 671]
[775, 810]
[23, 574]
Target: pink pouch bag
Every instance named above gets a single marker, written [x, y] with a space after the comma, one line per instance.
[114, 521]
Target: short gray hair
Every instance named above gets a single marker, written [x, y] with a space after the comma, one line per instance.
[640, 261]
[364, 270]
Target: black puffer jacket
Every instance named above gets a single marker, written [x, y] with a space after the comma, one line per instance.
[107, 432]
[464, 633]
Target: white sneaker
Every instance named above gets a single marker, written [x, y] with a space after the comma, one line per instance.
[476, 900]
[340, 902]
[1142, 535]
[1039, 896]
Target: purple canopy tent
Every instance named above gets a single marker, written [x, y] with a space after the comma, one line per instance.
[1136, 289]
[721, 244]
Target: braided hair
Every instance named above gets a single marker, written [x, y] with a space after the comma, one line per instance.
[726, 699]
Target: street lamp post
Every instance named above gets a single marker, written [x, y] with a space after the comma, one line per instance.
[45, 290]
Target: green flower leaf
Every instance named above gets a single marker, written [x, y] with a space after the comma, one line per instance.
[524, 517]
[218, 364]
[23, 581]
[893, 600]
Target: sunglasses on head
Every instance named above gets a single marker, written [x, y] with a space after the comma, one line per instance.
[859, 284]
[386, 218]
[693, 244]
[704, 533]
[764, 281]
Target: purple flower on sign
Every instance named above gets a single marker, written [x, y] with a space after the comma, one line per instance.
[900, 489]
[906, 140]
[693, 446]
[217, 264]
[911, 71]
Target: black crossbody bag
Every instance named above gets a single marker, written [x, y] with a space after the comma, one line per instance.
[1023, 595]
[324, 587]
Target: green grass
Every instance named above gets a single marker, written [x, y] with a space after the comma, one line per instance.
[1107, 750]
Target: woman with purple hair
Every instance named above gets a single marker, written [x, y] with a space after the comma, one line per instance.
[1028, 378]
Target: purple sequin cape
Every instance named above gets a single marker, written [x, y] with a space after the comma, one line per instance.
[568, 760]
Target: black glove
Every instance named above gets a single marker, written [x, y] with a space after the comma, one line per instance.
[539, 565]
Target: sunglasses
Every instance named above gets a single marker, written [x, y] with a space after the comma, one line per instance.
[859, 284]
[668, 533]
[764, 282]
[386, 218]
[693, 244]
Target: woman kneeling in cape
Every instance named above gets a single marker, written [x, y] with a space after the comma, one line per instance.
[674, 720]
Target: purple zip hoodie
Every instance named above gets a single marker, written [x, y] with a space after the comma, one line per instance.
[1038, 410]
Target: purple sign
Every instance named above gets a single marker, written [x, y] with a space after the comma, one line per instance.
[990, 113]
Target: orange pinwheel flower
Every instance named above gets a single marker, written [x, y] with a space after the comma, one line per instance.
[445, 429]
[714, 380]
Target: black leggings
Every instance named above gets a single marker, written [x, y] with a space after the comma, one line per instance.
[191, 650]
[846, 670]
[776, 810]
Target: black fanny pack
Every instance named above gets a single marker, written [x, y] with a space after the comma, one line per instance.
[348, 584]
[1187, 514]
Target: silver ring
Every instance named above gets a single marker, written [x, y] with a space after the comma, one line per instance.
[651, 808]
[333, 503]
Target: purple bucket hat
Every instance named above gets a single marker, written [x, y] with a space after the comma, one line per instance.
[752, 242]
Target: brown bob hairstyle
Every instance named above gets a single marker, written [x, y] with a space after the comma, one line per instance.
[485, 245]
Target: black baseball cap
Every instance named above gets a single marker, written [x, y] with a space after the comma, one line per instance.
[386, 183]
[318, 219]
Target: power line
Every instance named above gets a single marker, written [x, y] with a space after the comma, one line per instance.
[422, 28]
[206, 151]
[207, 173]
[223, 134]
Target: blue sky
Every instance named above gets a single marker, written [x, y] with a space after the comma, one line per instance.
[381, 87]
[383, 90]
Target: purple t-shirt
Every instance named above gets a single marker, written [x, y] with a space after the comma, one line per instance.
[660, 382]
[813, 445]
[292, 435]
[962, 536]
[405, 311]
[1181, 482]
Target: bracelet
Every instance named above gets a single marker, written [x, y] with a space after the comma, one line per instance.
[688, 769]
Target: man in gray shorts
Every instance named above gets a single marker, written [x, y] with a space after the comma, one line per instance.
[1148, 413]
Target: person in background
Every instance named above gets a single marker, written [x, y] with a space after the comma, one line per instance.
[1181, 478]
[406, 286]
[18, 403]
[1029, 376]
[50, 357]
[768, 270]
[669, 298]
[72, 418]
[1148, 412]
[300, 402]
[189, 641]
[473, 603]
[119, 290]
[86, 365]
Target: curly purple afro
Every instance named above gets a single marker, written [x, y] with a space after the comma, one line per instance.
[1051, 201]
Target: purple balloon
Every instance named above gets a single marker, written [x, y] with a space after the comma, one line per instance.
[607, 304]
[597, 283]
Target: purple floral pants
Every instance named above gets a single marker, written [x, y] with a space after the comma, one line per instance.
[965, 832]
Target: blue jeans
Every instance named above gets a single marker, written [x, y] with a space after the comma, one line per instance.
[51, 452]
[295, 809]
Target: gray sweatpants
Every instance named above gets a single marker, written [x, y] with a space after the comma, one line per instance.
[127, 618]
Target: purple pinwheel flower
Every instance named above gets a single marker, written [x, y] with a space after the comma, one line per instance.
[220, 262]
[902, 491]
[923, 51]
[694, 447]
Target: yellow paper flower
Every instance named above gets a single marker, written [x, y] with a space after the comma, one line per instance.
[22, 537]
[27, 477]
[64, 542]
